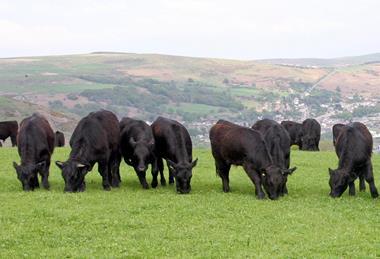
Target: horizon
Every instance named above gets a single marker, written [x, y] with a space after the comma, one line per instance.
[186, 56]
[243, 30]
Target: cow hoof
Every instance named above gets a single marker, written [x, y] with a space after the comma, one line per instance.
[226, 190]
[107, 188]
[375, 195]
[154, 184]
[163, 182]
[261, 196]
[145, 186]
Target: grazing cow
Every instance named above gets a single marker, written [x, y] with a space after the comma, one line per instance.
[295, 132]
[9, 129]
[311, 134]
[94, 140]
[354, 149]
[232, 144]
[278, 143]
[59, 139]
[137, 146]
[173, 143]
[35, 147]
[336, 131]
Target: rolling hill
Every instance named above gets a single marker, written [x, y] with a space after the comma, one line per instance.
[196, 91]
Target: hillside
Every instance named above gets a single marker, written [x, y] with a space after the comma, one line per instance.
[197, 91]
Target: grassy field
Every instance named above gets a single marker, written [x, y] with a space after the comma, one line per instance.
[206, 223]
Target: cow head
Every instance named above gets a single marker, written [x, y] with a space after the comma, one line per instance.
[73, 173]
[142, 151]
[27, 174]
[339, 180]
[182, 173]
[273, 179]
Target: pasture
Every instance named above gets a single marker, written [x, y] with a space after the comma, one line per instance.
[130, 221]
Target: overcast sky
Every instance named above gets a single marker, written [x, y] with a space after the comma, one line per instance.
[207, 28]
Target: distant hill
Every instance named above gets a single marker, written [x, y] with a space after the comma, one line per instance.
[193, 90]
[333, 62]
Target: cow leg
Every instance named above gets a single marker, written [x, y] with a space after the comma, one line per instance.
[223, 170]
[361, 183]
[157, 165]
[103, 171]
[371, 181]
[160, 165]
[284, 189]
[35, 182]
[114, 169]
[13, 140]
[255, 178]
[82, 187]
[171, 174]
[351, 188]
[142, 179]
[45, 175]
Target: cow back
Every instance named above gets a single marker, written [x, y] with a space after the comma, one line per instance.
[354, 144]
[172, 140]
[35, 139]
[277, 140]
[95, 134]
[235, 144]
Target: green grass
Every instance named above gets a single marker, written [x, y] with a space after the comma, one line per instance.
[196, 108]
[133, 222]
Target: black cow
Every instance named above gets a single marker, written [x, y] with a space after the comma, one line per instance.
[137, 146]
[173, 143]
[295, 132]
[35, 147]
[9, 129]
[59, 139]
[278, 143]
[354, 149]
[232, 144]
[94, 140]
[311, 134]
[336, 129]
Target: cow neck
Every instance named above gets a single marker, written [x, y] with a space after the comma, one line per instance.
[183, 155]
[27, 153]
[268, 158]
[78, 152]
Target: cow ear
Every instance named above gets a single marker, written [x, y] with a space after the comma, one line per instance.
[289, 171]
[132, 142]
[194, 163]
[171, 165]
[331, 171]
[59, 164]
[15, 165]
[263, 172]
